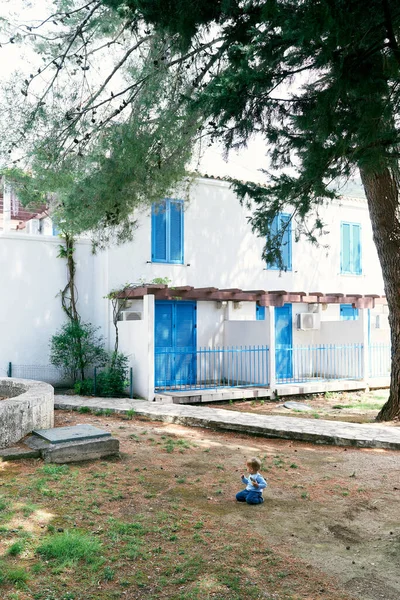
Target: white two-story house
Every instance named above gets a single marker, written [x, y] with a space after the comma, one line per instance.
[202, 310]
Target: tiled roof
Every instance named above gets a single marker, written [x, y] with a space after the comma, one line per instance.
[19, 212]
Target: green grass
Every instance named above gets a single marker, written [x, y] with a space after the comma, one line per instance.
[12, 575]
[84, 409]
[70, 547]
[15, 549]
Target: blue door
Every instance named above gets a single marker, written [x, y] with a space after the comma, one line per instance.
[283, 342]
[175, 343]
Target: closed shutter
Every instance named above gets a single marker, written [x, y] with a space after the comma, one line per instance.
[345, 266]
[159, 232]
[356, 230]
[176, 231]
[280, 222]
[286, 241]
[163, 334]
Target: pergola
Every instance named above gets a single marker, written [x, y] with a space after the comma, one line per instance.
[262, 297]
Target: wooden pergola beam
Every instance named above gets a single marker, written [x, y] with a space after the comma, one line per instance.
[264, 298]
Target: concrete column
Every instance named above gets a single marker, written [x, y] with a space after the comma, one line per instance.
[148, 314]
[270, 311]
[364, 317]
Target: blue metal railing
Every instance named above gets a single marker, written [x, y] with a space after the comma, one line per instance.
[320, 362]
[207, 368]
[379, 360]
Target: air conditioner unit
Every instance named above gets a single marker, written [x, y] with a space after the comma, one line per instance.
[382, 322]
[130, 315]
[308, 321]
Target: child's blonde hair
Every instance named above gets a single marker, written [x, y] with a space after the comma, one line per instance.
[254, 462]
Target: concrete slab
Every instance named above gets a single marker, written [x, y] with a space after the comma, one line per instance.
[80, 451]
[18, 454]
[61, 435]
[308, 430]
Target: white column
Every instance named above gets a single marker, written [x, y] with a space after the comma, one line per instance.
[148, 314]
[270, 310]
[364, 313]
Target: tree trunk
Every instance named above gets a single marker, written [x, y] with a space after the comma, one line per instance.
[382, 191]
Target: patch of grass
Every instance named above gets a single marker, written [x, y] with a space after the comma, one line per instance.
[294, 466]
[12, 575]
[70, 547]
[172, 444]
[130, 414]
[108, 574]
[107, 412]
[54, 471]
[84, 409]
[16, 549]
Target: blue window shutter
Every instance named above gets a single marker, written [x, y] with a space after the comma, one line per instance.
[163, 332]
[280, 222]
[159, 232]
[345, 266]
[356, 249]
[348, 313]
[175, 231]
[185, 331]
[286, 241]
[274, 231]
[260, 313]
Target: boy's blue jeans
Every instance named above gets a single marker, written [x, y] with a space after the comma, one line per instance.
[249, 497]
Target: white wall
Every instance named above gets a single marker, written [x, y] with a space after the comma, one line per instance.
[136, 340]
[31, 277]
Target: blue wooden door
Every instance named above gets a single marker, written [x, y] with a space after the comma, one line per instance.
[283, 342]
[175, 343]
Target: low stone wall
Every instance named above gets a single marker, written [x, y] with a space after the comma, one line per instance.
[28, 405]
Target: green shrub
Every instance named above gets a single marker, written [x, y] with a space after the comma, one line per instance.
[76, 347]
[111, 382]
[85, 387]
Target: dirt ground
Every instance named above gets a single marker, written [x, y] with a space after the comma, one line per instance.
[334, 509]
[328, 529]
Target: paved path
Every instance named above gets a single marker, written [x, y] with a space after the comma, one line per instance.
[306, 430]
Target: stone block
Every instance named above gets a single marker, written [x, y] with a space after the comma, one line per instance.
[79, 451]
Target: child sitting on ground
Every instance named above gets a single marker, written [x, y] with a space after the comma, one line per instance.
[255, 484]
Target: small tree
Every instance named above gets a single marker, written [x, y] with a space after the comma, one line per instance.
[76, 347]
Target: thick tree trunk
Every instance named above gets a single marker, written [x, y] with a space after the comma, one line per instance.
[382, 191]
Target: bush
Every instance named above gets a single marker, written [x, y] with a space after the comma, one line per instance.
[111, 382]
[76, 347]
[85, 387]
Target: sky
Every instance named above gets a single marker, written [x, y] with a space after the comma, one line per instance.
[245, 164]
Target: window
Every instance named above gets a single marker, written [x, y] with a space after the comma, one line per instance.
[350, 256]
[260, 313]
[167, 231]
[348, 313]
[283, 222]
